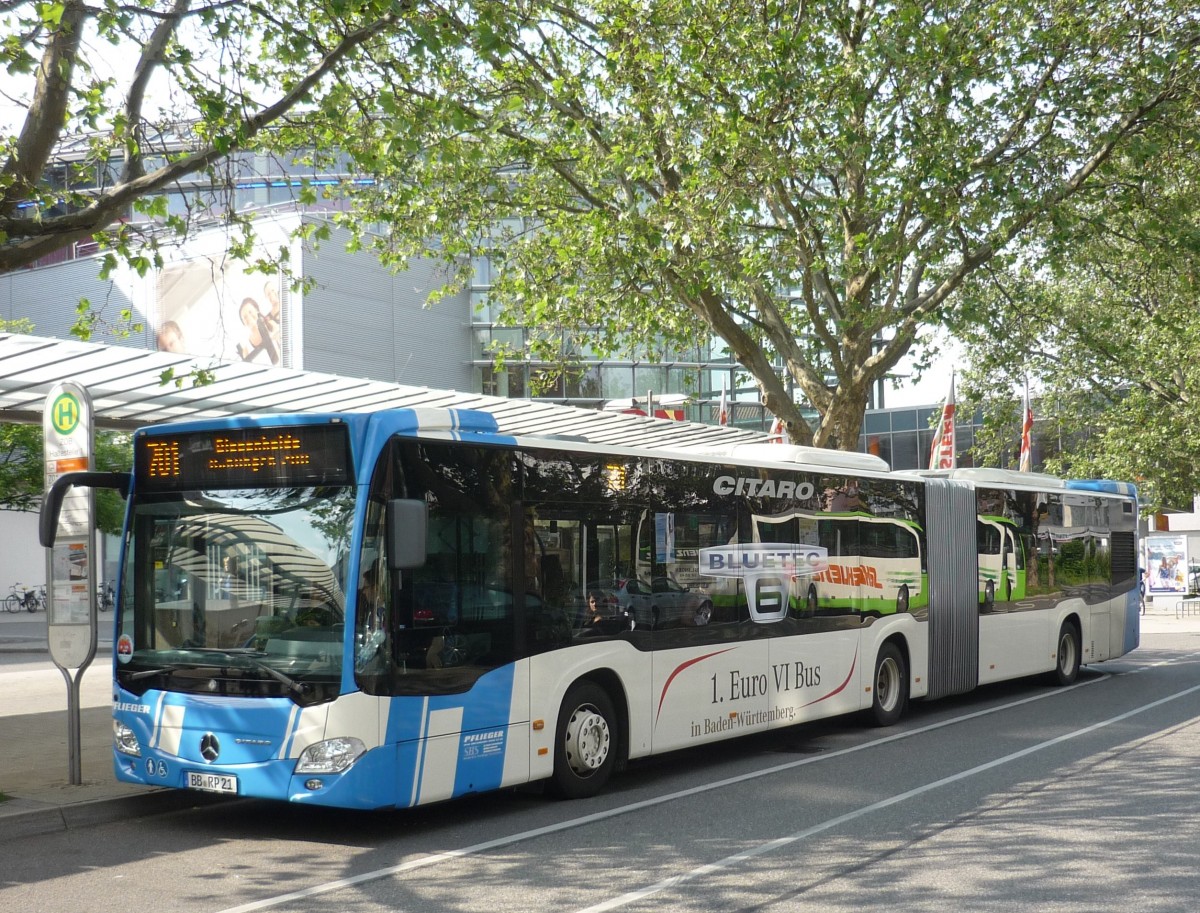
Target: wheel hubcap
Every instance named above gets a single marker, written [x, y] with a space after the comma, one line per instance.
[1066, 653]
[886, 684]
[588, 740]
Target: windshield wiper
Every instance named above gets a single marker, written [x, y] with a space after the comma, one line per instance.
[150, 673]
[245, 653]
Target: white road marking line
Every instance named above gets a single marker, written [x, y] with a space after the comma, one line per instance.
[780, 842]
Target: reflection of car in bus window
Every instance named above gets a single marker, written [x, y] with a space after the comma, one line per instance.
[659, 603]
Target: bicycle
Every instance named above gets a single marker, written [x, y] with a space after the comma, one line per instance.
[21, 597]
[105, 597]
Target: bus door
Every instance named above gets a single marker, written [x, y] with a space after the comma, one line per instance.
[710, 658]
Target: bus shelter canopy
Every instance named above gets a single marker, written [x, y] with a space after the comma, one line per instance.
[132, 387]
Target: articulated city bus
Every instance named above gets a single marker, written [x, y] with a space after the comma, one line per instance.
[397, 608]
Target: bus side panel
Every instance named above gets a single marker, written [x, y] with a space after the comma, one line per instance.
[1127, 624]
[1097, 644]
[1020, 643]
[453, 744]
[915, 631]
[708, 693]
[814, 676]
[1115, 626]
[557, 670]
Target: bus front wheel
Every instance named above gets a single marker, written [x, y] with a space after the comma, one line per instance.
[585, 742]
[890, 686]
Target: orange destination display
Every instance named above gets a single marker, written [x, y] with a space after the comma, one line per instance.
[243, 457]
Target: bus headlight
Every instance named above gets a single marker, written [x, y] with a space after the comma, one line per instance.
[330, 757]
[125, 741]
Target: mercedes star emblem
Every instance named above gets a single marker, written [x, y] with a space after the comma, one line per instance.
[210, 747]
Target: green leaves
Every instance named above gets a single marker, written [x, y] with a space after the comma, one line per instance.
[22, 470]
[51, 14]
[692, 167]
[196, 82]
[1105, 323]
[810, 183]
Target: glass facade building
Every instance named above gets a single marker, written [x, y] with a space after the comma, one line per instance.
[903, 436]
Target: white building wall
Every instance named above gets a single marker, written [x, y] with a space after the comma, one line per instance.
[48, 297]
[362, 320]
[22, 559]
[355, 318]
[358, 319]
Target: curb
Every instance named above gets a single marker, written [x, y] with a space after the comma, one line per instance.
[50, 819]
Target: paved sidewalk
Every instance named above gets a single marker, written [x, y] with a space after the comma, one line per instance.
[35, 769]
[34, 759]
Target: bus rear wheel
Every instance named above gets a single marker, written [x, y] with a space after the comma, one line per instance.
[585, 742]
[1066, 663]
[889, 692]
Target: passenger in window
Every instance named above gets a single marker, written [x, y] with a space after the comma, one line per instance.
[370, 599]
[595, 608]
[314, 617]
[371, 655]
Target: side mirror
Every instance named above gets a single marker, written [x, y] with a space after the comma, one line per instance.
[407, 521]
[52, 503]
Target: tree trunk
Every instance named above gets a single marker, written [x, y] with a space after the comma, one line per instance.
[841, 427]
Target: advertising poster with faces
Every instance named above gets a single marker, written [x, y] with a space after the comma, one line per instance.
[1167, 563]
[211, 306]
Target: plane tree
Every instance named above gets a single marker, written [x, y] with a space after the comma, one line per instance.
[119, 101]
[1101, 318]
[812, 183]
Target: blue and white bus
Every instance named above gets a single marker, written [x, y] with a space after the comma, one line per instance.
[390, 609]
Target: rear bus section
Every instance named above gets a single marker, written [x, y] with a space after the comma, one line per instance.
[1056, 566]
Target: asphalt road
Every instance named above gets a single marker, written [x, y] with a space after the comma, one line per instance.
[1016, 797]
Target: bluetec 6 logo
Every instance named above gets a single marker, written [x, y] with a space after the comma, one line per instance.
[768, 569]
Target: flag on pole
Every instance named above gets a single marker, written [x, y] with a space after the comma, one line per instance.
[723, 409]
[779, 433]
[1026, 463]
[942, 454]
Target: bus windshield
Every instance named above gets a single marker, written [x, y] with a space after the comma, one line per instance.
[236, 592]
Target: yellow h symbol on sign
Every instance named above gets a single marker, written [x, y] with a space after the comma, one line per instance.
[65, 414]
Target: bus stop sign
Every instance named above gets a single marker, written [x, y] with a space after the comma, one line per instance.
[70, 593]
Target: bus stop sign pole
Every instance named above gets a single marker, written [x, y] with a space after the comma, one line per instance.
[70, 565]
